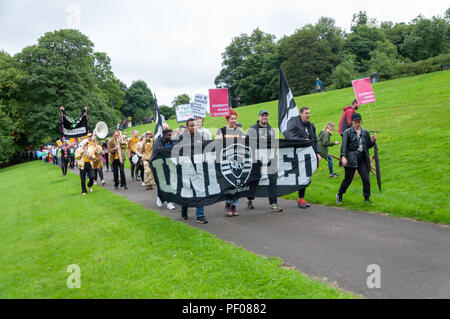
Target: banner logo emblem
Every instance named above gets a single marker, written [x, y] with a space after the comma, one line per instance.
[236, 164]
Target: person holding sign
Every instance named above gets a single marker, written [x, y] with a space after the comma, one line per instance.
[356, 142]
[231, 134]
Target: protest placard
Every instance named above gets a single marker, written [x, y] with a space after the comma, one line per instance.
[363, 91]
[218, 102]
[183, 112]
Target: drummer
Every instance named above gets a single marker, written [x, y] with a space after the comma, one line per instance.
[132, 145]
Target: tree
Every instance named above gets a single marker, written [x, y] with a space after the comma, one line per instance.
[383, 59]
[307, 57]
[168, 112]
[12, 114]
[107, 82]
[427, 38]
[59, 71]
[138, 97]
[250, 67]
[345, 72]
[181, 99]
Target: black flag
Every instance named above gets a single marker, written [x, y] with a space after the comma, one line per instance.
[287, 109]
[74, 128]
[158, 121]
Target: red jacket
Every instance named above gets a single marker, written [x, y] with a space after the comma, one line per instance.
[346, 119]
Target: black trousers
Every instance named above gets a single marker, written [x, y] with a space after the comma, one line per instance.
[117, 166]
[301, 192]
[107, 162]
[363, 171]
[88, 172]
[98, 172]
[72, 162]
[272, 190]
[64, 164]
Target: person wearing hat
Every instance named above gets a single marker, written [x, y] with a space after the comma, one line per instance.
[356, 143]
[261, 134]
[83, 155]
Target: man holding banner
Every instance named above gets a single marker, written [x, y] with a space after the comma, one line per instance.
[263, 135]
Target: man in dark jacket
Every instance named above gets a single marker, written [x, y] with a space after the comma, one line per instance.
[304, 130]
[263, 134]
[346, 121]
[356, 142]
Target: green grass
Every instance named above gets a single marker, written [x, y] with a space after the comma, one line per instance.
[123, 250]
[412, 115]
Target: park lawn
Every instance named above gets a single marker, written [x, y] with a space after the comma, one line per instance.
[412, 117]
[122, 249]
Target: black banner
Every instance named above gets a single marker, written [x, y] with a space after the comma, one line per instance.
[74, 128]
[195, 173]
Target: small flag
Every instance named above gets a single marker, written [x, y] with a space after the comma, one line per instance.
[158, 121]
[287, 109]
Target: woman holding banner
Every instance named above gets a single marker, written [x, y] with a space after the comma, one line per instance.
[230, 135]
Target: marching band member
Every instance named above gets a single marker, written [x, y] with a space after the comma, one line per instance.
[83, 156]
[116, 149]
[146, 150]
[97, 161]
[131, 145]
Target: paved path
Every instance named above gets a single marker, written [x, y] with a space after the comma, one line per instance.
[330, 243]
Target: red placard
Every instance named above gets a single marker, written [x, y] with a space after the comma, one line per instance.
[218, 102]
[363, 91]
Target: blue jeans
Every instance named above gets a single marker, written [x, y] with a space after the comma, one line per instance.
[330, 164]
[200, 211]
[232, 202]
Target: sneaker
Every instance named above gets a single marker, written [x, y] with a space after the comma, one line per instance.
[95, 182]
[84, 194]
[90, 189]
[301, 203]
[338, 199]
[170, 206]
[158, 201]
[124, 188]
[250, 205]
[143, 184]
[275, 208]
[367, 200]
[202, 220]
[103, 182]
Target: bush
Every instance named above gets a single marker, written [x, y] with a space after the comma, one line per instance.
[421, 67]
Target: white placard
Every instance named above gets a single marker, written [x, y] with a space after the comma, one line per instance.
[183, 112]
[200, 105]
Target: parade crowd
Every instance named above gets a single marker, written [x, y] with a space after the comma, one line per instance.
[90, 156]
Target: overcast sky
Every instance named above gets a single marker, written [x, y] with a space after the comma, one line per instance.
[176, 46]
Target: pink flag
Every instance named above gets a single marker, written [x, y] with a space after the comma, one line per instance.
[218, 102]
[363, 91]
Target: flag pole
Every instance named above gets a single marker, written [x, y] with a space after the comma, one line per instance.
[62, 121]
[87, 120]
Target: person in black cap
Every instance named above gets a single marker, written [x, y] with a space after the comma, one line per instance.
[263, 134]
[356, 142]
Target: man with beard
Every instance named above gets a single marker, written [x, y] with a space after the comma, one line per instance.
[304, 130]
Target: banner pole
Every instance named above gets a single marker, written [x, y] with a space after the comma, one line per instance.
[62, 122]
[87, 120]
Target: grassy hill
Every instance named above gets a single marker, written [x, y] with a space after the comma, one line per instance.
[412, 117]
[123, 250]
